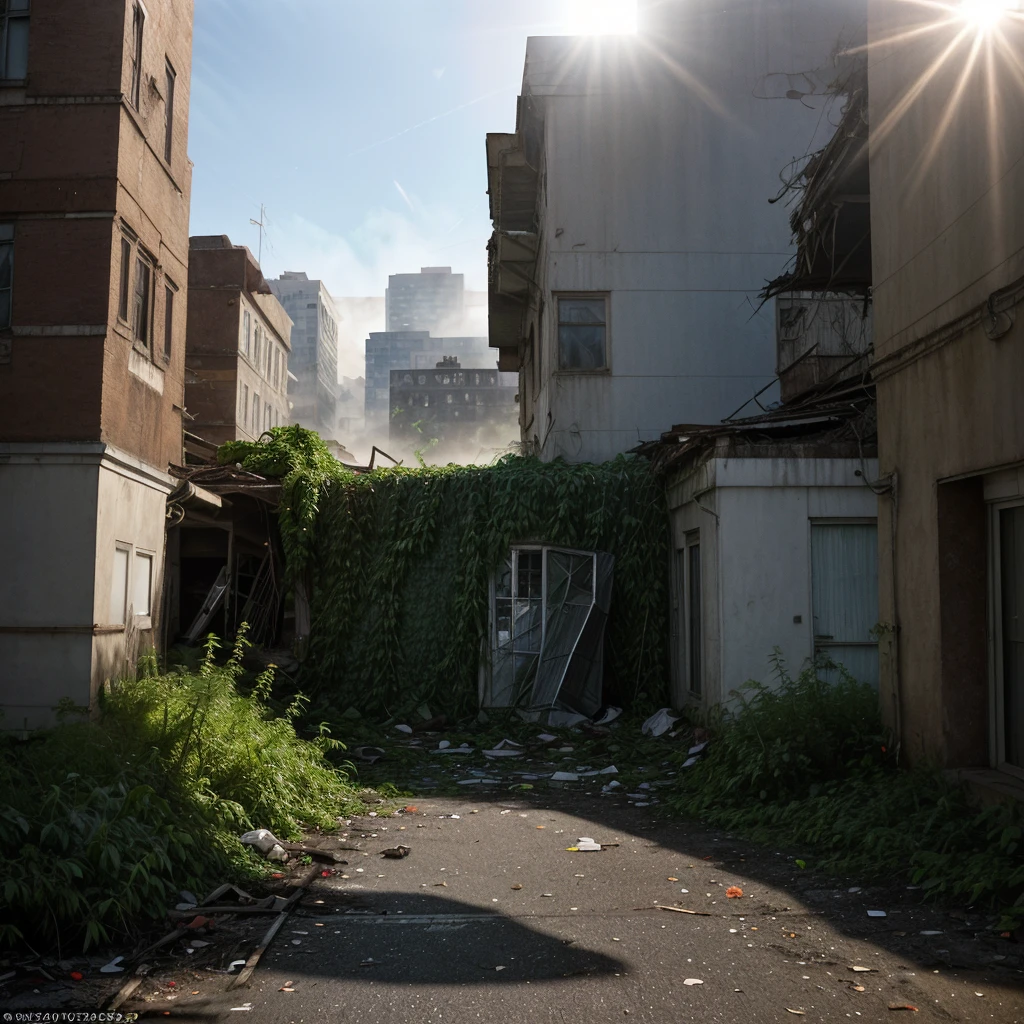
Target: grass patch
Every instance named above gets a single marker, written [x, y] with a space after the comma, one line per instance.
[805, 763]
[102, 823]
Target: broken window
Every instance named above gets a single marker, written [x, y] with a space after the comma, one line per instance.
[6, 273]
[582, 332]
[14, 39]
[549, 609]
[138, 22]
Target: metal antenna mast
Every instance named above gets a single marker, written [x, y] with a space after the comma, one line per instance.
[260, 224]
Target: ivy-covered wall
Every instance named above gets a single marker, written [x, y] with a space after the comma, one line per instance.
[402, 559]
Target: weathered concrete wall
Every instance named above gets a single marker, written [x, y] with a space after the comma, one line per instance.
[659, 158]
[947, 173]
[68, 505]
[756, 556]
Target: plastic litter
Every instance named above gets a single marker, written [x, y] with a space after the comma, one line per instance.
[876, 913]
[607, 715]
[444, 744]
[244, 1006]
[659, 723]
[407, 729]
[693, 981]
[565, 777]
[234, 964]
[112, 967]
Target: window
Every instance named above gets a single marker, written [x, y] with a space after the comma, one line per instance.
[138, 22]
[694, 619]
[169, 291]
[256, 413]
[844, 596]
[126, 271]
[142, 584]
[582, 332]
[246, 332]
[14, 39]
[119, 586]
[549, 606]
[243, 404]
[169, 112]
[6, 274]
[257, 345]
[141, 303]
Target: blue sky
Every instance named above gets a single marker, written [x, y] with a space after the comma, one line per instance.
[360, 125]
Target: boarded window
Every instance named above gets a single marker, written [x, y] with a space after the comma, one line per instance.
[142, 584]
[844, 596]
[119, 586]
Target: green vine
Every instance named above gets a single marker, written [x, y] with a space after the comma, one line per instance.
[305, 467]
[404, 557]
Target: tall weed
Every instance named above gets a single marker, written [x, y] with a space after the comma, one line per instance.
[101, 824]
[804, 762]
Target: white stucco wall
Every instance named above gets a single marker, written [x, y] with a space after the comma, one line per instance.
[62, 506]
[656, 174]
[756, 557]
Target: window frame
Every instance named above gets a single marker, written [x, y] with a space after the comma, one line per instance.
[255, 428]
[5, 19]
[693, 617]
[605, 298]
[138, 36]
[170, 290]
[243, 396]
[124, 299]
[150, 557]
[170, 80]
[143, 260]
[128, 551]
[246, 344]
[7, 242]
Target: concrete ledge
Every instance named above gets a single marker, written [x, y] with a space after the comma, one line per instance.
[988, 785]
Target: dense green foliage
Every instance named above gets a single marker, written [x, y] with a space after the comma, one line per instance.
[303, 463]
[804, 762]
[404, 559]
[101, 824]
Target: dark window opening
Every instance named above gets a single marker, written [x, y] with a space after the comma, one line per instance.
[582, 333]
[141, 305]
[138, 22]
[168, 320]
[14, 16]
[126, 269]
[169, 113]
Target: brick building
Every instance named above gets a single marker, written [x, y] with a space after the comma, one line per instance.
[94, 207]
[236, 377]
[451, 403]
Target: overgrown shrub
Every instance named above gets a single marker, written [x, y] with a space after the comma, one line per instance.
[101, 824]
[804, 763]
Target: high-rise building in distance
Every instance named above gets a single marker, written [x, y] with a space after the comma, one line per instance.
[432, 300]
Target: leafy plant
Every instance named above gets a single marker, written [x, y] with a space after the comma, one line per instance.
[804, 763]
[305, 467]
[404, 559]
[101, 823]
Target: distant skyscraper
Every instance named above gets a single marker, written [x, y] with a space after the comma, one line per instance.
[431, 300]
[313, 364]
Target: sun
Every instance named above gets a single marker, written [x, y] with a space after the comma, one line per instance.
[985, 15]
[601, 17]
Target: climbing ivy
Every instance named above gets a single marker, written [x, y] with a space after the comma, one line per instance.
[404, 557]
[305, 466]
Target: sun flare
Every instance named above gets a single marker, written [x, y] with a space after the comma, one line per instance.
[601, 17]
[985, 15]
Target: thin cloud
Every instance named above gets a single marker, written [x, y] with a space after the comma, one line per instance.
[404, 195]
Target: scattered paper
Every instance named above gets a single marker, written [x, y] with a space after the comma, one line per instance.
[876, 913]
[693, 981]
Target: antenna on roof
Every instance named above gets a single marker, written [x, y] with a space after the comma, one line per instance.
[260, 224]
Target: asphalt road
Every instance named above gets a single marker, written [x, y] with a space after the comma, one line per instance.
[490, 918]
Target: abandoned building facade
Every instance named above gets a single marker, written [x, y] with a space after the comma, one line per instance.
[94, 192]
[239, 339]
[632, 228]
